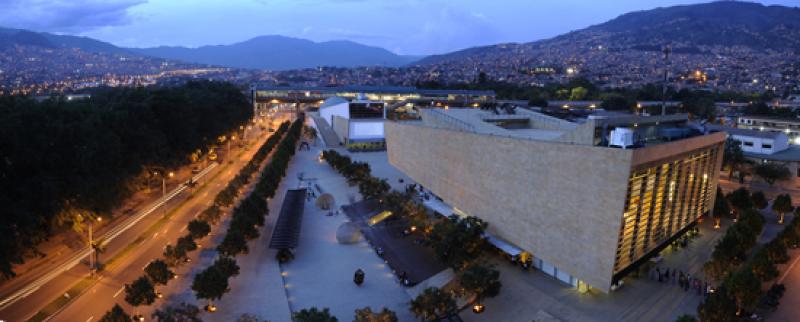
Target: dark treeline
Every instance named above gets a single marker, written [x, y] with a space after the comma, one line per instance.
[61, 158]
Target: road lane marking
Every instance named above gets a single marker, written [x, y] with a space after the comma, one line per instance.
[90, 318]
[182, 229]
[155, 235]
[120, 291]
[789, 269]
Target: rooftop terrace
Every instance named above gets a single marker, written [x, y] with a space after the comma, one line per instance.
[587, 128]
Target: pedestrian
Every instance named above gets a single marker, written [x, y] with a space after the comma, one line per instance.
[658, 273]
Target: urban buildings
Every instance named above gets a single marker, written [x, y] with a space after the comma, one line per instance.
[590, 197]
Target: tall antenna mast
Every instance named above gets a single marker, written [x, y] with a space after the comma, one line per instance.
[667, 50]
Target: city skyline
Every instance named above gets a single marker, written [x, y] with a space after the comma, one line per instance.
[410, 27]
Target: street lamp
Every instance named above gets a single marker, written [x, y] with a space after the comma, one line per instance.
[164, 183]
[93, 251]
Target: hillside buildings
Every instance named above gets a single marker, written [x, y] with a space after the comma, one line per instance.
[590, 197]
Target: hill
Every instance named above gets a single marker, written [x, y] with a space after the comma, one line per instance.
[282, 53]
[19, 37]
[688, 29]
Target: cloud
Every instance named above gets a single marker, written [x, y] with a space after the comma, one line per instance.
[73, 16]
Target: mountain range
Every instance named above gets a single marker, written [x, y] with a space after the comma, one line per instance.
[264, 52]
[686, 28]
[739, 46]
[282, 53]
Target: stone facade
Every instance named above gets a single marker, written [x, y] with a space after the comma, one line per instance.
[564, 203]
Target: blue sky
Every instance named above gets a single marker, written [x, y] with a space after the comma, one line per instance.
[402, 26]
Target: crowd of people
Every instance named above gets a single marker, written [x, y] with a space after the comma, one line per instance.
[684, 280]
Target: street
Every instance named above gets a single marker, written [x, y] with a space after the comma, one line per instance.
[105, 290]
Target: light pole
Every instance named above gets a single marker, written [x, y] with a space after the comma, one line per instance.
[164, 183]
[93, 251]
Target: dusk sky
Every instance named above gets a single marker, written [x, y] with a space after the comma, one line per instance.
[402, 26]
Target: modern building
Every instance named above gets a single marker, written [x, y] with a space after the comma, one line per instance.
[589, 197]
[357, 123]
[763, 146]
[755, 141]
[791, 127]
[265, 95]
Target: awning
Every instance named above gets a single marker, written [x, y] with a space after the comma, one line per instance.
[503, 245]
[286, 233]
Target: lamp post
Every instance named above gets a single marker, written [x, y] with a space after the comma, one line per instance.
[164, 182]
[93, 251]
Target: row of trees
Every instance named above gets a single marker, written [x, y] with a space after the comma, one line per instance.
[357, 173]
[142, 290]
[457, 242]
[67, 157]
[212, 283]
[743, 288]
[742, 277]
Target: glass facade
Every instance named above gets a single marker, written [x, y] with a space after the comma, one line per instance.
[366, 110]
[663, 198]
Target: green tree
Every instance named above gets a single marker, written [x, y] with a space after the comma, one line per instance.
[186, 243]
[782, 205]
[745, 288]
[227, 266]
[772, 172]
[433, 304]
[733, 155]
[198, 229]
[759, 200]
[210, 284]
[158, 271]
[718, 307]
[578, 94]
[233, 244]
[482, 281]
[458, 241]
[116, 314]
[617, 102]
[314, 315]
[740, 200]
[366, 315]
[763, 267]
[721, 208]
[373, 188]
[182, 312]
[776, 252]
[174, 256]
[140, 292]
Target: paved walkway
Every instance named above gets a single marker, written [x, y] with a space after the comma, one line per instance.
[326, 131]
[321, 274]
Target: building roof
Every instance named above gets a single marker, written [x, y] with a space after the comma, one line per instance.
[336, 100]
[744, 132]
[286, 233]
[792, 154]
